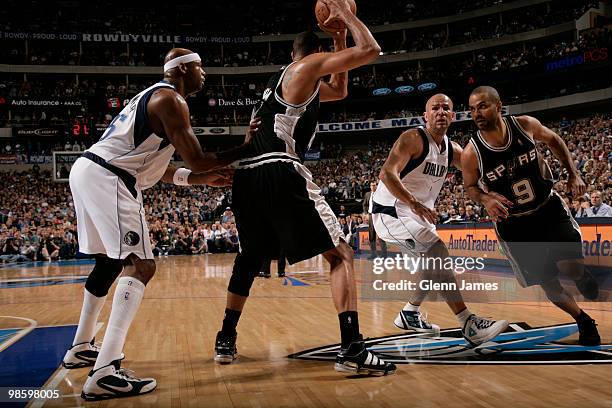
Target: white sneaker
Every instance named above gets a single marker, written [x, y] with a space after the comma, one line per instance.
[83, 355]
[407, 320]
[478, 330]
[111, 381]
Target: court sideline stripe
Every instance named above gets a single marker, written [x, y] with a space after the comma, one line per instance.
[21, 333]
[55, 380]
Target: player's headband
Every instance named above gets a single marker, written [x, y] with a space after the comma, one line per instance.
[183, 59]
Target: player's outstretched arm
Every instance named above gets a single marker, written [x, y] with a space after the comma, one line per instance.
[337, 86]
[169, 111]
[365, 50]
[408, 145]
[213, 178]
[541, 133]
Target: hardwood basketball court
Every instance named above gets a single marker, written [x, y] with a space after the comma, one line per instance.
[172, 340]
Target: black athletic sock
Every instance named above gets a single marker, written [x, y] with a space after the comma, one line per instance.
[349, 327]
[583, 317]
[230, 321]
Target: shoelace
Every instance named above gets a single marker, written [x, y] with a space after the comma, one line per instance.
[96, 346]
[481, 323]
[126, 374]
[422, 318]
[225, 343]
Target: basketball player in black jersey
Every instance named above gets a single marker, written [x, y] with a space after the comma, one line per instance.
[534, 227]
[275, 201]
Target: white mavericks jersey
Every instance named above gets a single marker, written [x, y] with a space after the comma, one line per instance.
[130, 144]
[423, 176]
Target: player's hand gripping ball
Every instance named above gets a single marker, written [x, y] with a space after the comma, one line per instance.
[331, 21]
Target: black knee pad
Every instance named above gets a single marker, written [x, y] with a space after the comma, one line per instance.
[244, 272]
[103, 275]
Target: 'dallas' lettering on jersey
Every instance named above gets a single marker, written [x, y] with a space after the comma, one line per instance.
[434, 169]
[423, 176]
[510, 167]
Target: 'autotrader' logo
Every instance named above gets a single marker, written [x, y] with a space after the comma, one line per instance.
[519, 344]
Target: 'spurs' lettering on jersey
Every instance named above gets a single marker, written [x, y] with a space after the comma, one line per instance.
[515, 170]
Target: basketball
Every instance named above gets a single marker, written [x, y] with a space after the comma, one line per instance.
[322, 13]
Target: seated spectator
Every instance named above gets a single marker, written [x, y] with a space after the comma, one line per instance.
[598, 208]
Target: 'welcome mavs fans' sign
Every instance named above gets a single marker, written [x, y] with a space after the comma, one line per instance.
[407, 122]
[519, 344]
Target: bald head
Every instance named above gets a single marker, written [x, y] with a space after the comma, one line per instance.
[489, 92]
[440, 99]
[438, 114]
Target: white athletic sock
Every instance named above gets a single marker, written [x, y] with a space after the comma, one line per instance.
[92, 305]
[409, 307]
[126, 302]
[463, 316]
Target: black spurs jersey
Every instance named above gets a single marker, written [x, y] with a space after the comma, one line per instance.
[285, 128]
[515, 170]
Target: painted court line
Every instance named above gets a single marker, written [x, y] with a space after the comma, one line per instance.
[21, 334]
[55, 380]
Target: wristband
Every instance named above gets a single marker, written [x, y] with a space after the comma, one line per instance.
[181, 176]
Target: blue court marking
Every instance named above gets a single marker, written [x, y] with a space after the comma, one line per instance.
[7, 334]
[34, 358]
[47, 282]
[294, 282]
[44, 263]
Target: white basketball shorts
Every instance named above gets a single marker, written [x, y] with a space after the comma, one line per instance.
[109, 219]
[410, 232]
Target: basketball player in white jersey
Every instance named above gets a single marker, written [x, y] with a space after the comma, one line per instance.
[106, 183]
[402, 208]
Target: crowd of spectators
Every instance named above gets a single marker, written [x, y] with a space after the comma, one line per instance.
[110, 93]
[258, 54]
[247, 18]
[37, 219]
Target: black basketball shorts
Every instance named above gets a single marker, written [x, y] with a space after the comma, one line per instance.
[535, 242]
[277, 205]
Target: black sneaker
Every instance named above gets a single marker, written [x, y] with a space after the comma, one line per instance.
[281, 274]
[264, 274]
[357, 359]
[225, 348]
[111, 381]
[589, 336]
[587, 285]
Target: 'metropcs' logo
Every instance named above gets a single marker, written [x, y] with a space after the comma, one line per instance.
[520, 344]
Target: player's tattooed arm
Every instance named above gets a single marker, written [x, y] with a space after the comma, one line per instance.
[541, 133]
[495, 203]
[408, 145]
